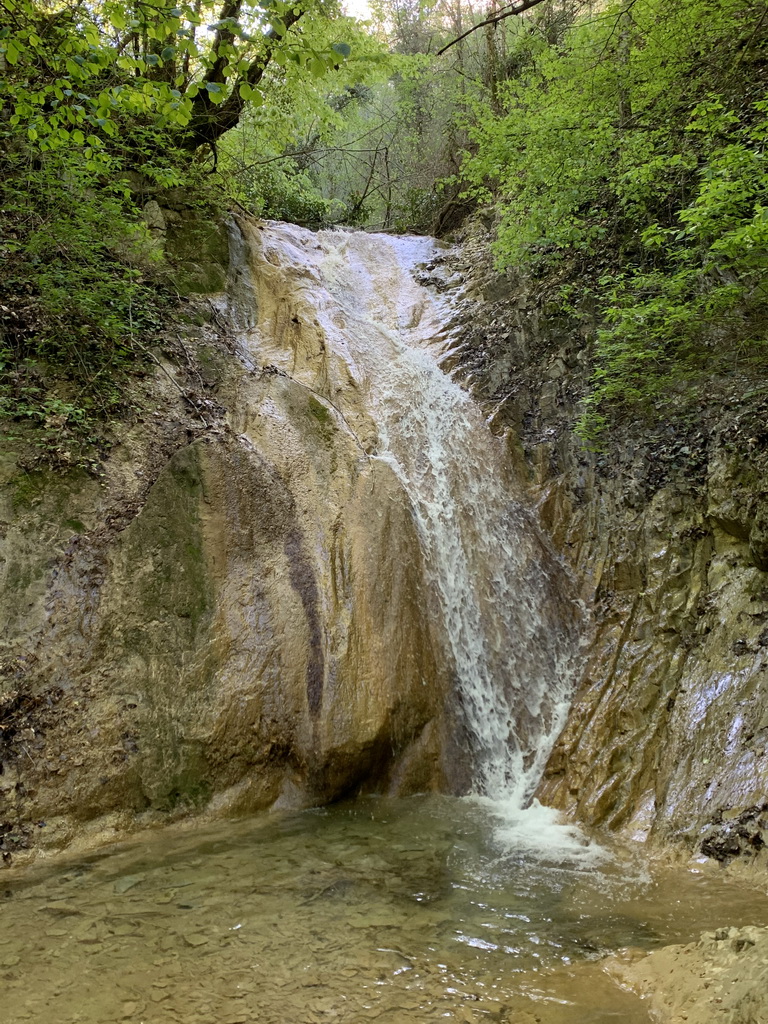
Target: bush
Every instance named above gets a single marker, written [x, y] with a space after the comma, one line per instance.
[80, 285]
[632, 154]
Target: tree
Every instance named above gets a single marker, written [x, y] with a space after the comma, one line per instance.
[630, 155]
[74, 73]
[102, 102]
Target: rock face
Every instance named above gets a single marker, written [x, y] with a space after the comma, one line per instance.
[723, 977]
[666, 737]
[234, 616]
[247, 614]
[668, 730]
[233, 619]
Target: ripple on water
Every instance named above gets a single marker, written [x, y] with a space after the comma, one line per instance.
[389, 911]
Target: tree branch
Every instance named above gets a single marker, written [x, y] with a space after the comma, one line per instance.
[520, 7]
[224, 34]
[209, 120]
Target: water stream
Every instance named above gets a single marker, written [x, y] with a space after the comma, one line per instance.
[379, 910]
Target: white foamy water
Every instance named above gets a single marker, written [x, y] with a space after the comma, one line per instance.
[507, 618]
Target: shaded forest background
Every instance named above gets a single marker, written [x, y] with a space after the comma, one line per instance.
[616, 152]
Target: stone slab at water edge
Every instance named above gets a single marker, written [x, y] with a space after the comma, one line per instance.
[721, 978]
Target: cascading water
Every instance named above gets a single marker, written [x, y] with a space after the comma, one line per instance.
[505, 616]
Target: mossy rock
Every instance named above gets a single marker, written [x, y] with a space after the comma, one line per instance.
[198, 249]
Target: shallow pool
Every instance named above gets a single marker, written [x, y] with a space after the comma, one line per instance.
[426, 909]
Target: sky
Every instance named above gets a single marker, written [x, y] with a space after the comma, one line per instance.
[357, 8]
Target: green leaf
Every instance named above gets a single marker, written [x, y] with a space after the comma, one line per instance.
[343, 49]
[215, 92]
[11, 53]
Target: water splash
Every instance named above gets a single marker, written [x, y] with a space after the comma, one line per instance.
[506, 617]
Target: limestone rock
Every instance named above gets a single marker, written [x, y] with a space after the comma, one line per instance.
[666, 736]
[722, 977]
[249, 628]
[154, 218]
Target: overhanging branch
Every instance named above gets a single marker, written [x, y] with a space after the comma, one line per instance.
[210, 120]
[506, 12]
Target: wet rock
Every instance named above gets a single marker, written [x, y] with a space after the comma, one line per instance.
[723, 977]
[737, 834]
[758, 536]
[665, 530]
[248, 626]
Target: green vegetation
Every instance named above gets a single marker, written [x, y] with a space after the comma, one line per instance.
[629, 154]
[105, 106]
[79, 287]
[622, 143]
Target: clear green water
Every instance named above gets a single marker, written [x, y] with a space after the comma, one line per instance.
[378, 910]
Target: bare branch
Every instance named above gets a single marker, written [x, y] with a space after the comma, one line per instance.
[520, 7]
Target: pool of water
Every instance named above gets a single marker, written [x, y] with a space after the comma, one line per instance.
[426, 909]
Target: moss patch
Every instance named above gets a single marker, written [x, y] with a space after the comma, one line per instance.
[199, 252]
[166, 542]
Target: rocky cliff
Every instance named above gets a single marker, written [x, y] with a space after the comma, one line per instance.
[200, 625]
[665, 530]
[232, 615]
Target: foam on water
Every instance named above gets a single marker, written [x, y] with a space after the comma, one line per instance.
[538, 831]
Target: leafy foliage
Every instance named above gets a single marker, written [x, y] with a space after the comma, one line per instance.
[80, 284]
[102, 105]
[372, 142]
[624, 145]
[632, 151]
[77, 72]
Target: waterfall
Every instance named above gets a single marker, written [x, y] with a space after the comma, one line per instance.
[505, 617]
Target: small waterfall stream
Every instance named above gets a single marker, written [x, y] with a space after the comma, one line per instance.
[502, 599]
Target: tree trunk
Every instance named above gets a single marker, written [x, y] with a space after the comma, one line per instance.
[211, 120]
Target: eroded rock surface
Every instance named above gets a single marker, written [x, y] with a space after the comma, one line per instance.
[234, 617]
[665, 531]
[722, 977]
[247, 534]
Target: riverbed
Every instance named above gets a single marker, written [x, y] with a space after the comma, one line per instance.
[424, 909]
